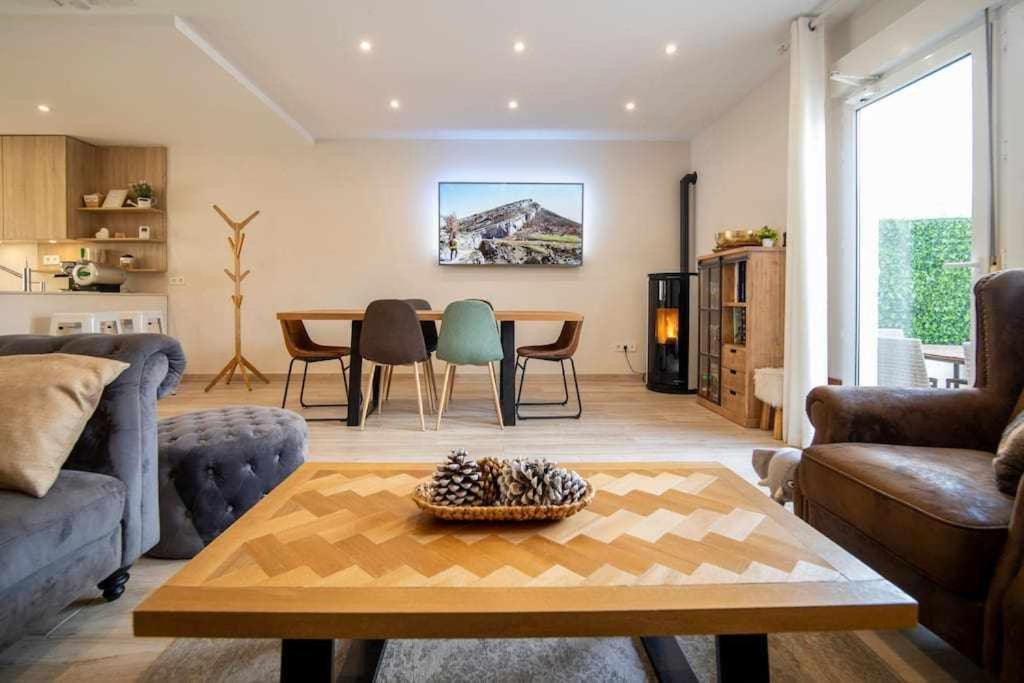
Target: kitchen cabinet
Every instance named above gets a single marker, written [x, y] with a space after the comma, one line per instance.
[35, 202]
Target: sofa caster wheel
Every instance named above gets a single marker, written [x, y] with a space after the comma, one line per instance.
[113, 585]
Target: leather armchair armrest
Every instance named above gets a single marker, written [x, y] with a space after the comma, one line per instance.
[942, 418]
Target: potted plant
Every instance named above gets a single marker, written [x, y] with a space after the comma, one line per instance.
[768, 236]
[142, 191]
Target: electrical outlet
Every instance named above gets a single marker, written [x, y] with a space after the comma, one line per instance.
[51, 260]
[628, 346]
[176, 280]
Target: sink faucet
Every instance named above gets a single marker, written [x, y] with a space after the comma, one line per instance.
[25, 276]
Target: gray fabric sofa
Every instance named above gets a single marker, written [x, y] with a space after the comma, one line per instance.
[103, 512]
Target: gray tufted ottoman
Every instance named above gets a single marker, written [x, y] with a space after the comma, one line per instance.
[215, 465]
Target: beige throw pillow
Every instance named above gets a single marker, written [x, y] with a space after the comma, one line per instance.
[45, 402]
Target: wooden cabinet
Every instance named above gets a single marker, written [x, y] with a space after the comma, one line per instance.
[43, 179]
[35, 203]
[741, 318]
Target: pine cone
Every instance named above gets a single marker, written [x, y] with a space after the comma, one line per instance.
[524, 482]
[457, 481]
[574, 487]
[490, 474]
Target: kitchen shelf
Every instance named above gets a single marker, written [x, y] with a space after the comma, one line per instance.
[119, 209]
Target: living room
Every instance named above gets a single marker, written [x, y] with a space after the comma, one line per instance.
[530, 341]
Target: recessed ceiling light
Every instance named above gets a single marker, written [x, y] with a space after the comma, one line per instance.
[512, 104]
[395, 104]
[671, 49]
[519, 46]
[44, 108]
[365, 45]
[630, 106]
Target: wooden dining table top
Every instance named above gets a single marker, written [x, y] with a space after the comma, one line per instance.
[499, 315]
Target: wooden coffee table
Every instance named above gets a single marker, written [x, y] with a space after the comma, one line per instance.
[340, 551]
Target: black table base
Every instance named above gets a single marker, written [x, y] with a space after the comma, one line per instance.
[739, 658]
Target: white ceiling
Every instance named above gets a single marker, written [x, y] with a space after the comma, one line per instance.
[450, 62]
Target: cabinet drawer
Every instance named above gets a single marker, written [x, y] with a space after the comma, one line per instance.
[735, 380]
[734, 357]
[735, 402]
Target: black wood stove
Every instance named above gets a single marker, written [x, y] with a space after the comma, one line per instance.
[669, 312]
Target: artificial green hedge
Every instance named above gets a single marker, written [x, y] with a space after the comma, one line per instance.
[915, 293]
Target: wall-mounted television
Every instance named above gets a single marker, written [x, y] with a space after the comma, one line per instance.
[514, 224]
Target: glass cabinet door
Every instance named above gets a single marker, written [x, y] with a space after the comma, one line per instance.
[709, 330]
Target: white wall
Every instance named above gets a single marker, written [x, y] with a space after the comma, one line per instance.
[344, 223]
[1010, 134]
[740, 161]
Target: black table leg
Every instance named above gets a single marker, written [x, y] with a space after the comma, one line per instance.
[742, 658]
[507, 389]
[361, 660]
[309, 661]
[355, 376]
[667, 660]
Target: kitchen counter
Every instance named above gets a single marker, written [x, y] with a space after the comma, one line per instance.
[30, 312]
[65, 291]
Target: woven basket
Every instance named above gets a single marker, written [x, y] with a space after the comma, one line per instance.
[499, 513]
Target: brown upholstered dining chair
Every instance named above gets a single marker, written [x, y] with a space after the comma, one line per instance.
[392, 336]
[302, 348]
[561, 350]
[903, 479]
[429, 328]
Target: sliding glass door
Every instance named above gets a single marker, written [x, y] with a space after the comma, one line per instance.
[922, 220]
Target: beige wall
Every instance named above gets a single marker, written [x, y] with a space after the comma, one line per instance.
[344, 223]
[740, 160]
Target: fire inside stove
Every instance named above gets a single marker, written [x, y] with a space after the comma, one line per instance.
[667, 325]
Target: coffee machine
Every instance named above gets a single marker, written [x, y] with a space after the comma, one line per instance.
[89, 276]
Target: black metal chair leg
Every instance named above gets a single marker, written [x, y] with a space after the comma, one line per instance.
[575, 381]
[287, 382]
[302, 389]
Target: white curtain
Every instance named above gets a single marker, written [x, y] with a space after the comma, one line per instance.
[806, 352]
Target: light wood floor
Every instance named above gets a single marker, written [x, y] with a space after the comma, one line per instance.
[621, 421]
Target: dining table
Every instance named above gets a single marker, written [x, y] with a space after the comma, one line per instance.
[506, 319]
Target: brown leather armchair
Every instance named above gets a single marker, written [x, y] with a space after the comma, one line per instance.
[903, 479]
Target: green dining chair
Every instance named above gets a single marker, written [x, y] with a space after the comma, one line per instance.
[469, 336]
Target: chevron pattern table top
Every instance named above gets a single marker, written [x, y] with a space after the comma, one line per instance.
[340, 550]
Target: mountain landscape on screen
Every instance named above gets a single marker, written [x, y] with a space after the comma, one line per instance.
[521, 232]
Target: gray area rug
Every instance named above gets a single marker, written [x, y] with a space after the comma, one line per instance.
[818, 657]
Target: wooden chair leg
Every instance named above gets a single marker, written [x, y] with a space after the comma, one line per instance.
[388, 372]
[426, 380]
[367, 395]
[766, 416]
[433, 380]
[448, 370]
[777, 432]
[494, 390]
[419, 395]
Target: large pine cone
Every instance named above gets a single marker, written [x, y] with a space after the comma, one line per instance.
[523, 482]
[457, 481]
[490, 475]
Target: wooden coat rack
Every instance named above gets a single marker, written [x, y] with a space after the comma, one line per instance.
[238, 362]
